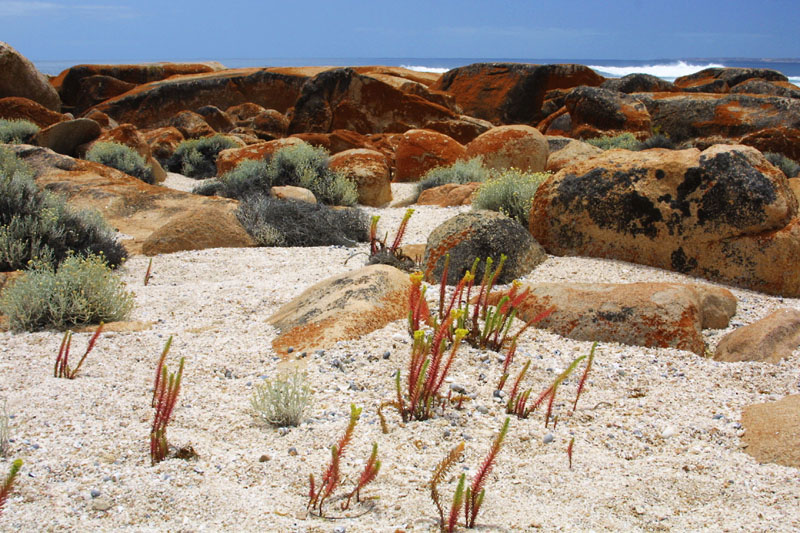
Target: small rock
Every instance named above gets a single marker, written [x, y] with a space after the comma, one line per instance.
[292, 451]
[499, 394]
[228, 374]
[353, 386]
[387, 354]
[102, 504]
[718, 416]
[482, 409]
[446, 433]
[290, 349]
[668, 432]
[547, 439]
[457, 388]
[264, 458]
[95, 493]
[339, 529]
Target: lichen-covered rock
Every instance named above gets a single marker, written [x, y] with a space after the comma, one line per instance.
[772, 431]
[343, 99]
[369, 170]
[216, 118]
[518, 146]
[768, 88]
[152, 104]
[480, 234]
[64, 137]
[784, 141]
[19, 108]
[511, 93]
[163, 141]
[595, 112]
[19, 77]
[343, 307]
[572, 152]
[639, 83]
[449, 194]
[337, 140]
[724, 214]
[418, 151]
[97, 89]
[191, 125]
[463, 128]
[688, 116]
[770, 339]
[654, 315]
[722, 79]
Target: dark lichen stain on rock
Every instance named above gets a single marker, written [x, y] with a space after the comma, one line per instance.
[681, 263]
[739, 195]
[616, 316]
[611, 202]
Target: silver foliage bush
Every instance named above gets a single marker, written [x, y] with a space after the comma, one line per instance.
[281, 401]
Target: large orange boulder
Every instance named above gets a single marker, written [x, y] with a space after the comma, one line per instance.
[688, 116]
[780, 140]
[568, 153]
[19, 77]
[511, 93]
[654, 315]
[418, 151]
[462, 128]
[594, 112]
[151, 105]
[723, 214]
[369, 170]
[191, 125]
[228, 159]
[449, 194]
[163, 141]
[70, 83]
[343, 99]
[519, 146]
[198, 228]
[18, 108]
[96, 89]
[65, 137]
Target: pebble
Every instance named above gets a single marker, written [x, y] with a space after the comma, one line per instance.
[292, 451]
[718, 416]
[669, 431]
[264, 458]
[95, 493]
[499, 394]
[339, 529]
[547, 439]
[457, 388]
[290, 349]
[482, 409]
[102, 504]
[387, 354]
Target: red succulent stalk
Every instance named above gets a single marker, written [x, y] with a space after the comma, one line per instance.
[373, 235]
[512, 396]
[476, 492]
[168, 390]
[63, 355]
[538, 318]
[418, 306]
[330, 479]
[72, 373]
[157, 383]
[443, 285]
[458, 502]
[367, 475]
[147, 273]
[512, 350]
[554, 387]
[401, 231]
[5, 488]
[570, 447]
[582, 381]
[480, 301]
[459, 335]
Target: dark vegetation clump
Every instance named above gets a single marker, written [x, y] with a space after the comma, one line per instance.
[38, 225]
[123, 158]
[657, 141]
[627, 141]
[788, 166]
[197, 158]
[274, 222]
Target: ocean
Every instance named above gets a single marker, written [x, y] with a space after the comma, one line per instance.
[667, 69]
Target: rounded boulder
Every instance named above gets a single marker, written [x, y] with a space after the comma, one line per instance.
[519, 146]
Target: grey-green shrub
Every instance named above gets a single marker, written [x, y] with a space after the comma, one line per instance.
[510, 192]
[208, 187]
[460, 172]
[657, 141]
[197, 158]
[17, 131]
[274, 222]
[82, 290]
[625, 141]
[301, 165]
[281, 402]
[789, 167]
[123, 158]
[36, 224]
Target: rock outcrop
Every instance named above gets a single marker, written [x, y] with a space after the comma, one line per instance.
[657, 315]
[511, 93]
[520, 146]
[721, 79]
[19, 77]
[724, 214]
[418, 151]
[19, 108]
[369, 171]
[343, 307]
[477, 235]
[594, 112]
[772, 431]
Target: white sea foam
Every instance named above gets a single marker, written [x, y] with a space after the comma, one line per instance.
[421, 68]
[794, 79]
[667, 71]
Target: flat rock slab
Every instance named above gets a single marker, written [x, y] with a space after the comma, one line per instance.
[772, 431]
[343, 307]
[663, 315]
[770, 339]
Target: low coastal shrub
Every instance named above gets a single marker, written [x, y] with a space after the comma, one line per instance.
[82, 290]
[625, 141]
[460, 172]
[281, 402]
[274, 222]
[789, 167]
[17, 131]
[250, 177]
[123, 158]
[208, 187]
[38, 225]
[510, 192]
[196, 158]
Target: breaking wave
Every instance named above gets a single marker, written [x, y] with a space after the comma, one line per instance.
[666, 71]
[421, 68]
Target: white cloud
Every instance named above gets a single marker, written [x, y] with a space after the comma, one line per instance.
[16, 9]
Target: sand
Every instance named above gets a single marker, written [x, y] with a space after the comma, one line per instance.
[657, 433]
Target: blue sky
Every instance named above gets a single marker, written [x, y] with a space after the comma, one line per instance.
[123, 30]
